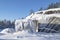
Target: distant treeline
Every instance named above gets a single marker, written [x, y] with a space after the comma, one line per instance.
[50, 6]
[54, 5]
[6, 24]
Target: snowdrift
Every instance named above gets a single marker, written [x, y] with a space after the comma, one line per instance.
[8, 30]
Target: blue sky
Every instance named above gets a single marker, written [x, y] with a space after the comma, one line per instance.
[15, 9]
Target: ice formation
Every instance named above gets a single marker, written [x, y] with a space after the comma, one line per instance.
[25, 25]
[33, 21]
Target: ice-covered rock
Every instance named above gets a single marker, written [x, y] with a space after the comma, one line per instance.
[52, 24]
[18, 25]
[42, 18]
[29, 25]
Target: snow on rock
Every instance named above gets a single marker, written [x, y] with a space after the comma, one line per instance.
[41, 17]
[25, 25]
[18, 25]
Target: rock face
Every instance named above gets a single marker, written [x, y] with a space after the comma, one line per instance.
[42, 21]
[51, 25]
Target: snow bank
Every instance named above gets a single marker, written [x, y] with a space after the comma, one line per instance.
[8, 30]
[25, 35]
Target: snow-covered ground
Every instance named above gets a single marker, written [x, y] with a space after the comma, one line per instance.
[25, 28]
[25, 35]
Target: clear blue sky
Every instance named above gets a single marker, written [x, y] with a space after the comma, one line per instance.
[15, 9]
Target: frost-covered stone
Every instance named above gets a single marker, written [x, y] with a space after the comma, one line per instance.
[18, 25]
[41, 19]
[29, 25]
[52, 24]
